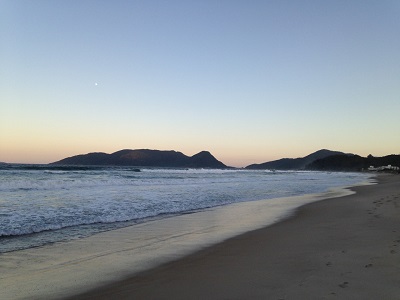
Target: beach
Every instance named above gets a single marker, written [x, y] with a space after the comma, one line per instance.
[339, 243]
[341, 248]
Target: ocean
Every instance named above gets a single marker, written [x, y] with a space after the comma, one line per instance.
[42, 204]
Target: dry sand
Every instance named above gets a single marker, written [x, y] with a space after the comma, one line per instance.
[342, 248]
[59, 270]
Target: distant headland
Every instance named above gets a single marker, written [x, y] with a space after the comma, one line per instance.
[321, 160]
[145, 158]
[300, 163]
[327, 160]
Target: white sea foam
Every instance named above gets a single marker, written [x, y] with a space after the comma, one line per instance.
[62, 269]
[45, 200]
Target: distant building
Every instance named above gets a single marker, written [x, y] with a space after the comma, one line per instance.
[384, 168]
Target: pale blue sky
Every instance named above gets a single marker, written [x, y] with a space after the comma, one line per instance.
[250, 81]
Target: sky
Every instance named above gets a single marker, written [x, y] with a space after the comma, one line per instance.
[249, 81]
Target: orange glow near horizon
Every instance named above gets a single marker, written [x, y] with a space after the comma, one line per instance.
[45, 153]
[285, 81]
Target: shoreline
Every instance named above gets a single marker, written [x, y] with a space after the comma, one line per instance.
[345, 248]
[69, 268]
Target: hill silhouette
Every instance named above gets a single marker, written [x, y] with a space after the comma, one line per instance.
[294, 163]
[145, 158]
[353, 163]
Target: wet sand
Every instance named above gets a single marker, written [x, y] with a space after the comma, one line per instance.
[341, 248]
[62, 269]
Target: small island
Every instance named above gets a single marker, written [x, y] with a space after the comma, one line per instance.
[145, 158]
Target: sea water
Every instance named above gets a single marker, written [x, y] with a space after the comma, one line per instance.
[41, 204]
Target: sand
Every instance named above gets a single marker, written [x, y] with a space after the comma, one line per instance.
[62, 269]
[341, 248]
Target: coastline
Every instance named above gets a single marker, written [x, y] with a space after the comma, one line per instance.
[63, 269]
[344, 248]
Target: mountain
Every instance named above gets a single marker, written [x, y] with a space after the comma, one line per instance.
[353, 163]
[145, 158]
[204, 158]
[294, 163]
